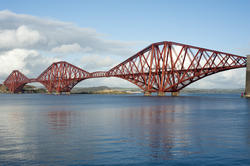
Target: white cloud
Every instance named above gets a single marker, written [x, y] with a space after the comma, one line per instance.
[20, 37]
[96, 62]
[70, 48]
[27, 36]
[110, 81]
[227, 79]
[29, 62]
[46, 35]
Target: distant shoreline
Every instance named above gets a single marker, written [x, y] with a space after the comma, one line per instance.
[119, 90]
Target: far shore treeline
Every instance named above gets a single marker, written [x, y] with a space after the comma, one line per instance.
[115, 90]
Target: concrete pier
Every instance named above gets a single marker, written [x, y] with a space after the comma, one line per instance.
[147, 93]
[161, 93]
[175, 93]
[57, 93]
[247, 89]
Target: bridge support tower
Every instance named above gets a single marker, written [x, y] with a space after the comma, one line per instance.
[175, 93]
[147, 93]
[247, 88]
[161, 93]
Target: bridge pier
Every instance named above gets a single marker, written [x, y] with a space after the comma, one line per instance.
[247, 86]
[58, 93]
[161, 93]
[175, 93]
[147, 93]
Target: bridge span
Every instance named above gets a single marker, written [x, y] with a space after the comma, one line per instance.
[161, 67]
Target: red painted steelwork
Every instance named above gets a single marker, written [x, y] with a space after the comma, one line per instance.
[98, 74]
[160, 67]
[169, 66]
[16, 81]
[62, 77]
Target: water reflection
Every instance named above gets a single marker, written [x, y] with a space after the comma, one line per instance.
[142, 130]
[156, 128]
[13, 131]
[248, 122]
[60, 120]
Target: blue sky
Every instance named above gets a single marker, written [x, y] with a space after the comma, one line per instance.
[217, 24]
[120, 29]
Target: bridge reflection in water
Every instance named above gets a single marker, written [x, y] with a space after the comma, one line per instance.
[110, 129]
[157, 128]
[160, 67]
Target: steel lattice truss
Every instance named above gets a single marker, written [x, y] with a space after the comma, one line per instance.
[15, 81]
[62, 77]
[169, 66]
[160, 67]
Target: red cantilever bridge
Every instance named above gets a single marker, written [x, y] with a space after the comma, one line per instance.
[160, 67]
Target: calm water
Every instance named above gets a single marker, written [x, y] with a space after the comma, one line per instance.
[124, 130]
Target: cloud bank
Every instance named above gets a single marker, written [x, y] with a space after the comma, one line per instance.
[46, 40]
[25, 31]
